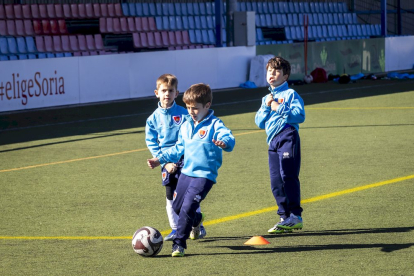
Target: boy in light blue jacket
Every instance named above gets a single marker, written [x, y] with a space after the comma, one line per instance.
[280, 114]
[202, 138]
[161, 133]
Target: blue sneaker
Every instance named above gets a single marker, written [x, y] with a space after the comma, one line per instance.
[195, 232]
[292, 222]
[277, 230]
[171, 235]
[177, 251]
[203, 232]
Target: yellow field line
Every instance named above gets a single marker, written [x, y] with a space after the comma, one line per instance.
[229, 218]
[94, 157]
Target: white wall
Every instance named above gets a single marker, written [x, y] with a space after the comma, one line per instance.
[399, 53]
[74, 80]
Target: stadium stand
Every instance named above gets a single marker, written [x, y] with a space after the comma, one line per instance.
[43, 29]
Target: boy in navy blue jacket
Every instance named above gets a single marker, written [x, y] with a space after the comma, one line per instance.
[280, 114]
[161, 133]
[202, 138]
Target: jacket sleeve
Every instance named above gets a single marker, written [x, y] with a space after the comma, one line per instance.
[151, 138]
[222, 133]
[293, 109]
[263, 114]
[172, 154]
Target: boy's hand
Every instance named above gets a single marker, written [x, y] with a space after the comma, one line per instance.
[153, 162]
[269, 99]
[170, 167]
[220, 144]
[274, 105]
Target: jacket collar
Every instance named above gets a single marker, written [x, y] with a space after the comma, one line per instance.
[279, 88]
[166, 110]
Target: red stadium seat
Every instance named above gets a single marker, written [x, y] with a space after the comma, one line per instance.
[18, 12]
[65, 43]
[138, 24]
[37, 27]
[144, 24]
[158, 40]
[62, 26]
[2, 12]
[26, 12]
[118, 10]
[34, 8]
[74, 44]
[11, 27]
[20, 28]
[99, 45]
[51, 10]
[43, 11]
[48, 43]
[3, 28]
[109, 25]
[28, 27]
[186, 38]
[124, 24]
[131, 24]
[9, 11]
[178, 38]
[82, 10]
[59, 11]
[117, 25]
[172, 38]
[90, 42]
[66, 11]
[111, 10]
[151, 24]
[97, 10]
[57, 44]
[102, 25]
[46, 26]
[144, 39]
[104, 10]
[151, 40]
[54, 28]
[74, 10]
[89, 10]
[82, 43]
[40, 44]
[137, 40]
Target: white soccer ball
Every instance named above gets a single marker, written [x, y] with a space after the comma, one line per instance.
[147, 241]
[308, 79]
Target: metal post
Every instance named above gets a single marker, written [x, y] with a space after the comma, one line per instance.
[231, 8]
[399, 18]
[383, 18]
[218, 13]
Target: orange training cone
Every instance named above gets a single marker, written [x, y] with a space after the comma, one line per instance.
[257, 240]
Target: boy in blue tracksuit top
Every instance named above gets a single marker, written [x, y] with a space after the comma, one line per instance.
[161, 133]
[280, 114]
[201, 140]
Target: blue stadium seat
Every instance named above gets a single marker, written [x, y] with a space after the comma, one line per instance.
[345, 32]
[241, 6]
[210, 8]
[3, 58]
[259, 34]
[325, 19]
[268, 19]
[359, 31]
[59, 55]
[211, 22]
[274, 20]
[190, 8]
[177, 9]
[211, 37]
[184, 9]
[324, 6]
[199, 36]
[316, 19]
[139, 9]
[354, 18]
[259, 7]
[275, 7]
[197, 22]
[171, 23]
[196, 8]
[31, 56]
[11, 41]
[204, 37]
[364, 30]
[152, 9]
[186, 24]
[288, 33]
[21, 45]
[178, 22]
[314, 7]
[41, 55]
[202, 8]
[258, 21]
[125, 9]
[270, 8]
[283, 7]
[300, 32]
[296, 7]
[330, 19]
[325, 31]
[191, 23]
[4, 48]
[132, 9]
[145, 9]
[203, 20]
[159, 23]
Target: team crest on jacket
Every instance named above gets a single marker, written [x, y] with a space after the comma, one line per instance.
[280, 100]
[177, 119]
[202, 133]
[164, 175]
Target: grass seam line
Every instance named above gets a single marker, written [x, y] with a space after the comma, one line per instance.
[228, 218]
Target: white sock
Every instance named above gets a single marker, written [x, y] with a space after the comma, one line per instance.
[172, 216]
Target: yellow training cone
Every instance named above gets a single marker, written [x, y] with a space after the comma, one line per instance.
[257, 240]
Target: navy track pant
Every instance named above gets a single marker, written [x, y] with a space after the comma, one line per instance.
[284, 167]
[190, 192]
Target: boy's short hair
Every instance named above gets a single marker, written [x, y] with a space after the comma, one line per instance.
[279, 63]
[168, 79]
[198, 93]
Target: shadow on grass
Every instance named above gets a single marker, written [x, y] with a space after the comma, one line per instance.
[244, 249]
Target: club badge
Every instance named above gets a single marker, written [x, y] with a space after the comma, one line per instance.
[202, 133]
[164, 175]
[177, 120]
[280, 100]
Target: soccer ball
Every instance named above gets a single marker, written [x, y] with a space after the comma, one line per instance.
[147, 241]
[308, 78]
